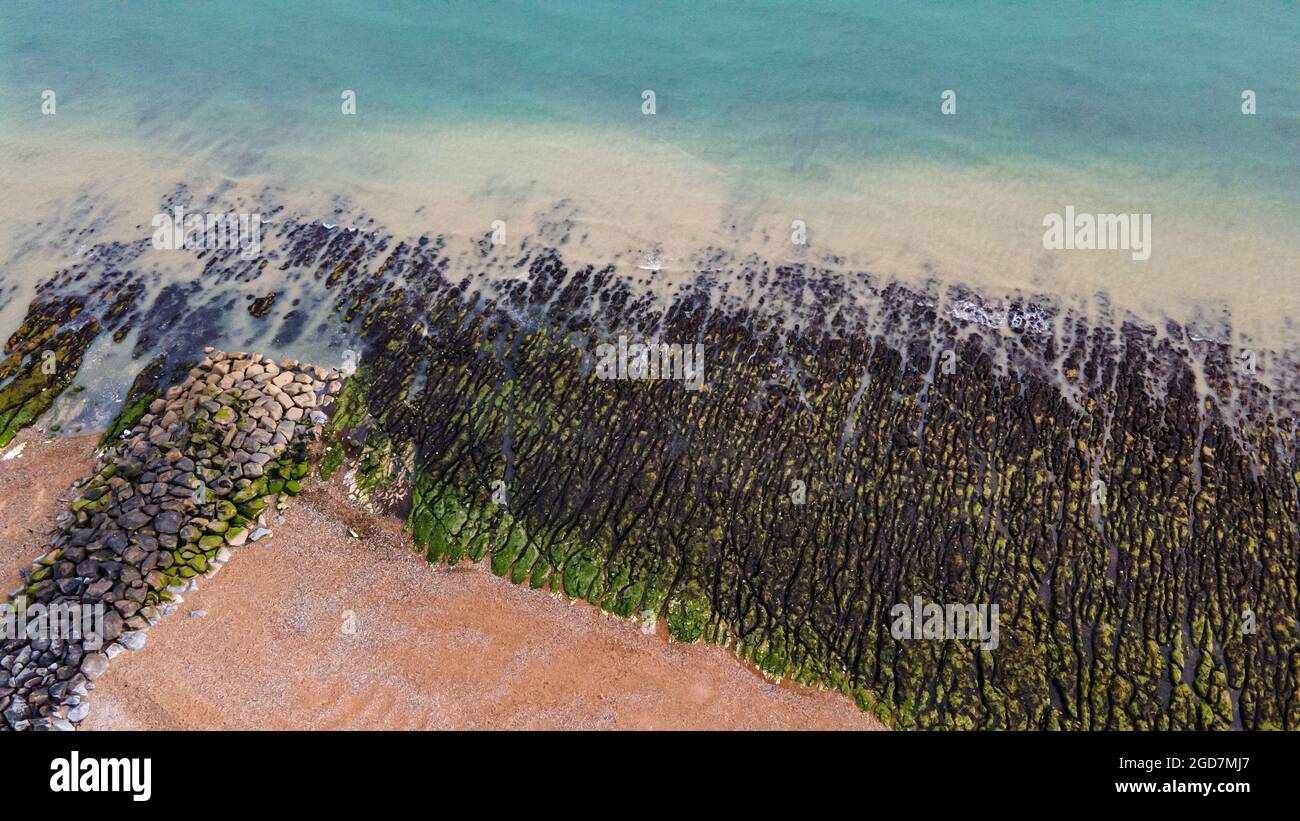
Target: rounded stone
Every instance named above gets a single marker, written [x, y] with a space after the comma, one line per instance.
[132, 640]
[94, 665]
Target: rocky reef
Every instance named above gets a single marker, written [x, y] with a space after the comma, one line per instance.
[187, 478]
[1139, 538]
[1124, 490]
[41, 360]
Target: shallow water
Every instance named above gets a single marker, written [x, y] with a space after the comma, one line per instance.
[532, 115]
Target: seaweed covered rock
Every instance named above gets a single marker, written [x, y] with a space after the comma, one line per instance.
[1123, 491]
[1138, 536]
[41, 360]
[166, 503]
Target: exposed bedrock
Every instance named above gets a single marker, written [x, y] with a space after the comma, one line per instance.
[185, 481]
[1126, 494]
[1139, 537]
[41, 360]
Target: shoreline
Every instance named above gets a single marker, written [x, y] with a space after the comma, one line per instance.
[270, 653]
[616, 504]
[577, 193]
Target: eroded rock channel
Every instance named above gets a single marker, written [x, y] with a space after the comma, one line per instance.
[1122, 488]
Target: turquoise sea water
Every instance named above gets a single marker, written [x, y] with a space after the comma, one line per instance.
[795, 88]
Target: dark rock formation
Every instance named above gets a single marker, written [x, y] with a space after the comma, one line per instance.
[191, 479]
[1125, 493]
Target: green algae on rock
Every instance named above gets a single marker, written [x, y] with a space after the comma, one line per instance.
[147, 386]
[166, 504]
[1119, 610]
[41, 360]
[1116, 484]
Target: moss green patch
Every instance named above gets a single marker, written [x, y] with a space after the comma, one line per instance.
[42, 359]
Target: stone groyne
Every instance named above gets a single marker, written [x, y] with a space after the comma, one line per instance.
[192, 475]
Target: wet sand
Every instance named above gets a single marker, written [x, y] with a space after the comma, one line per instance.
[325, 631]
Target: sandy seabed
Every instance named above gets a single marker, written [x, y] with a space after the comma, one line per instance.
[315, 629]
